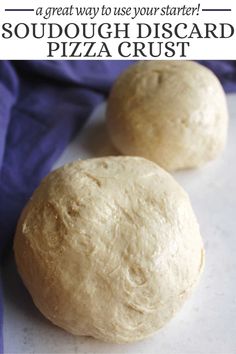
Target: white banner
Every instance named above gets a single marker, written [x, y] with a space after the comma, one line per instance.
[101, 29]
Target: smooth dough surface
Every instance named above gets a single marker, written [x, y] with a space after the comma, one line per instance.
[109, 248]
[171, 112]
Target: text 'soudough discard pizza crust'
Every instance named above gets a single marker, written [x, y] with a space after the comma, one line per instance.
[171, 112]
[109, 248]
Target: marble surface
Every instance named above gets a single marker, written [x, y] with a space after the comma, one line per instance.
[207, 322]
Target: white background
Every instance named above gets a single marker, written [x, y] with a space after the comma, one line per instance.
[30, 48]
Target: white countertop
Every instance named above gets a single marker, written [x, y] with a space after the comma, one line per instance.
[207, 322]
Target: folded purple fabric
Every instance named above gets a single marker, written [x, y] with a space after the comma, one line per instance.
[42, 106]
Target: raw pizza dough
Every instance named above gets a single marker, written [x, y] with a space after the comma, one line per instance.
[109, 248]
[171, 112]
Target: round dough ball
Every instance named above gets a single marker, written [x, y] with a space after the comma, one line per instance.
[171, 112]
[109, 248]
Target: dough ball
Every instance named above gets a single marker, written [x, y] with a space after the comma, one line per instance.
[109, 248]
[171, 112]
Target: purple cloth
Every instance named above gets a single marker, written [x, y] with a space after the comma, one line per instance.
[42, 106]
